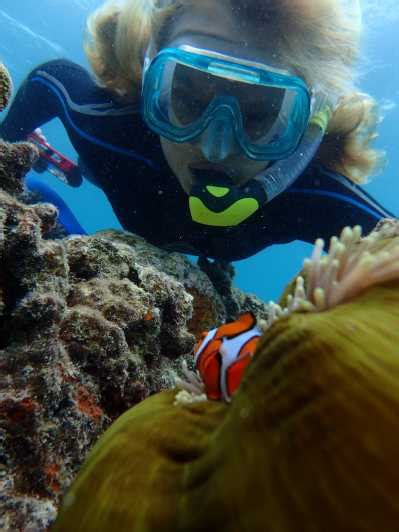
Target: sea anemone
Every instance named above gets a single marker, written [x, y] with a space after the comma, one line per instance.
[309, 441]
[351, 265]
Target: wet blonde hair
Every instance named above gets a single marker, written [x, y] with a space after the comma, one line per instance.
[319, 39]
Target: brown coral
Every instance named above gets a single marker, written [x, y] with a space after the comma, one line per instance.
[15, 161]
[89, 328]
[5, 87]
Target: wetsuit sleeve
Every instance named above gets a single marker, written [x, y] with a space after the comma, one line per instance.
[323, 202]
[318, 205]
[35, 103]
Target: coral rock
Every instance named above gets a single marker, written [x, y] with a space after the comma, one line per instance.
[15, 161]
[89, 326]
[5, 87]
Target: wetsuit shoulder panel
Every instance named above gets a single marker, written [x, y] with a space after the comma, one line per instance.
[35, 103]
[352, 204]
[319, 205]
[61, 89]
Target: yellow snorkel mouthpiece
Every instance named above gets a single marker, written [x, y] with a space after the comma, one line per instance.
[223, 205]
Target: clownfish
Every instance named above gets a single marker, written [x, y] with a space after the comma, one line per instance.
[222, 354]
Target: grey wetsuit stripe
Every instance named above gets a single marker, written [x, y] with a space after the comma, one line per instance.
[92, 109]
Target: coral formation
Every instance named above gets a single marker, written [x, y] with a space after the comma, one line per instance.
[222, 274]
[89, 326]
[5, 87]
[15, 161]
[309, 441]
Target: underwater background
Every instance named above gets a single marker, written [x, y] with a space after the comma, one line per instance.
[34, 31]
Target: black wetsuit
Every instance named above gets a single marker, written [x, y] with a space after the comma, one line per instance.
[126, 160]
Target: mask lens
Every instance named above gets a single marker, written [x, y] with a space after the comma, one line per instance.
[191, 93]
[269, 120]
[260, 109]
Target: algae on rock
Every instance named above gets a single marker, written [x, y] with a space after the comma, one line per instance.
[5, 87]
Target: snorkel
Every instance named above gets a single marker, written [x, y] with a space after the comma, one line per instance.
[220, 203]
[282, 174]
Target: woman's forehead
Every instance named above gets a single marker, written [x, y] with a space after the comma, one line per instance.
[216, 25]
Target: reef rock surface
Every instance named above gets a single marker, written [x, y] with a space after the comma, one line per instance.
[89, 326]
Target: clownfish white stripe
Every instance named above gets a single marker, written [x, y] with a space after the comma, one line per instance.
[204, 344]
[230, 351]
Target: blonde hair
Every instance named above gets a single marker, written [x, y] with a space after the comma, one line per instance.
[318, 39]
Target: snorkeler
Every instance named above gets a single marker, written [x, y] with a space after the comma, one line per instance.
[217, 128]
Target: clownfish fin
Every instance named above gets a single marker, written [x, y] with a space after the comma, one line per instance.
[212, 347]
[244, 323]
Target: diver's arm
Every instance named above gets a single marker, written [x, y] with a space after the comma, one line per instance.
[48, 92]
[327, 202]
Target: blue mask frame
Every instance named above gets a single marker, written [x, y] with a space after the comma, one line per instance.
[224, 110]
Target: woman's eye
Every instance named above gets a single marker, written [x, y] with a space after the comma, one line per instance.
[252, 118]
[257, 119]
[187, 108]
[187, 102]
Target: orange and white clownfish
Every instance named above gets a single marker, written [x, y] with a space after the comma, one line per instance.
[222, 354]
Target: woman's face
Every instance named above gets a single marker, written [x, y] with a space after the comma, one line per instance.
[211, 24]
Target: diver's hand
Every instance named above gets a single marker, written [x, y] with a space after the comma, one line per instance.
[38, 138]
[55, 162]
[39, 135]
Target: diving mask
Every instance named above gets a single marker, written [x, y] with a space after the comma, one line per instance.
[190, 93]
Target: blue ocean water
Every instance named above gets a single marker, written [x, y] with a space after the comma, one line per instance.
[34, 31]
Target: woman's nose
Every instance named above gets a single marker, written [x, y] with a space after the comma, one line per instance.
[218, 140]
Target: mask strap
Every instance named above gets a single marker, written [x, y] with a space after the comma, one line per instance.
[148, 57]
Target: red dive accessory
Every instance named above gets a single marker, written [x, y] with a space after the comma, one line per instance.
[55, 162]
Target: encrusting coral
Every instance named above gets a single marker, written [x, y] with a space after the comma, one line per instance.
[89, 326]
[310, 439]
[15, 159]
[5, 87]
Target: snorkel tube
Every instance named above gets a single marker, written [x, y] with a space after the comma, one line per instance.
[222, 204]
[282, 174]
